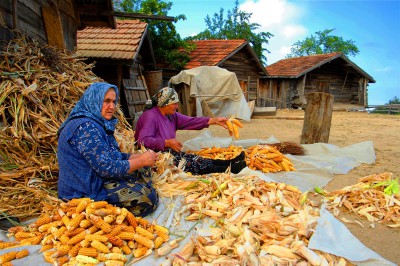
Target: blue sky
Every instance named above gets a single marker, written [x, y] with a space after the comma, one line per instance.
[373, 25]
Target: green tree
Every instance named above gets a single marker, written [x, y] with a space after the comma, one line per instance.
[395, 100]
[165, 40]
[323, 43]
[236, 26]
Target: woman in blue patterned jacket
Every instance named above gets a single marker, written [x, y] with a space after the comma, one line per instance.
[90, 161]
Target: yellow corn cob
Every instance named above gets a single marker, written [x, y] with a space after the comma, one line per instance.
[140, 252]
[4, 245]
[33, 240]
[65, 220]
[85, 243]
[159, 228]
[126, 235]
[22, 253]
[109, 218]
[90, 252]
[121, 216]
[104, 212]
[131, 219]
[78, 238]
[73, 252]
[100, 246]
[82, 205]
[99, 233]
[86, 260]
[144, 232]
[75, 202]
[46, 247]
[150, 228]
[129, 229]
[93, 229]
[8, 263]
[48, 256]
[132, 244]
[22, 235]
[43, 219]
[163, 235]
[62, 251]
[99, 223]
[47, 227]
[64, 239]
[97, 204]
[9, 256]
[143, 240]
[85, 223]
[101, 238]
[74, 223]
[57, 232]
[158, 242]
[117, 229]
[114, 263]
[237, 122]
[62, 260]
[126, 250]
[116, 250]
[115, 240]
[143, 222]
[112, 256]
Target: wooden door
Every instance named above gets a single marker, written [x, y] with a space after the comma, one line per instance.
[136, 95]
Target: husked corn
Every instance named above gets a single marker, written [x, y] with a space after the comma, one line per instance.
[112, 256]
[140, 252]
[82, 205]
[78, 238]
[126, 250]
[22, 253]
[100, 246]
[62, 251]
[74, 223]
[9, 256]
[131, 219]
[143, 222]
[85, 223]
[121, 216]
[143, 240]
[144, 232]
[115, 240]
[126, 235]
[43, 219]
[114, 263]
[159, 228]
[117, 229]
[109, 218]
[100, 223]
[86, 260]
[33, 240]
[163, 235]
[90, 252]
[73, 252]
[158, 242]
[62, 260]
[101, 238]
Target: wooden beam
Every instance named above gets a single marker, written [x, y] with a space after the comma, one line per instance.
[95, 13]
[52, 24]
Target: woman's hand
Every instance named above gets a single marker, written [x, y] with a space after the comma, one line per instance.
[148, 158]
[173, 144]
[221, 121]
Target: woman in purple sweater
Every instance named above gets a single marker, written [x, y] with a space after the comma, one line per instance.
[157, 126]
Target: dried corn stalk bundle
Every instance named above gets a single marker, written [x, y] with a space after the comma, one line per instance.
[218, 153]
[289, 147]
[376, 197]
[256, 222]
[267, 159]
[86, 231]
[38, 88]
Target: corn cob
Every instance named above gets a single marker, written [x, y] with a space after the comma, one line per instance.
[109, 218]
[101, 238]
[46, 247]
[143, 240]
[86, 260]
[82, 205]
[85, 243]
[48, 256]
[74, 223]
[99, 223]
[62, 251]
[159, 228]
[121, 216]
[61, 260]
[4, 245]
[8, 263]
[65, 220]
[57, 232]
[75, 202]
[115, 240]
[237, 122]
[131, 219]
[33, 240]
[85, 223]
[117, 229]
[73, 252]
[100, 246]
[97, 205]
[22, 253]
[140, 252]
[104, 212]
[64, 239]
[93, 229]
[144, 232]
[112, 256]
[90, 252]
[158, 242]
[115, 249]
[46, 227]
[126, 235]
[22, 235]
[126, 250]
[78, 238]
[43, 219]
[114, 263]
[132, 244]
[143, 222]
[9, 256]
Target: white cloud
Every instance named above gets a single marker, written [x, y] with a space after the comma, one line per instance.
[281, 18]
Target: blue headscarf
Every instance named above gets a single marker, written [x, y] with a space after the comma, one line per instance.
[90, 106]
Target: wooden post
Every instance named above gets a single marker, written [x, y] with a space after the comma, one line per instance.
[317, 118]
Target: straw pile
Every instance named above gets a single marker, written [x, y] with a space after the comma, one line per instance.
[39, 87]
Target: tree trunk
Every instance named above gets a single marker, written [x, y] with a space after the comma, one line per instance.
[317, 118]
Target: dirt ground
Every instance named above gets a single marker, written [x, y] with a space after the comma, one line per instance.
[347, 128]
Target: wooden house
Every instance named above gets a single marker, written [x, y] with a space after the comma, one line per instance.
[53, 22]
[122, 56]
[291, 79]
[233, 55]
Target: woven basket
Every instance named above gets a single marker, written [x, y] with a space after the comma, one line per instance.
[153, 81]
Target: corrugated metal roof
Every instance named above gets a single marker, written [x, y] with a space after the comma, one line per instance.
[120, 43]
[298, 66]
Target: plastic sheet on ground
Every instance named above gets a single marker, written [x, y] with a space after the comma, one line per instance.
[315, 169]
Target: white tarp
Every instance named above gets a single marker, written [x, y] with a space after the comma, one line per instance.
[218, 87]
[330, 235]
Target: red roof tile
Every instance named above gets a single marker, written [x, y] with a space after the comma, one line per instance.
[295, 67]
[119, 43]
[213, 52]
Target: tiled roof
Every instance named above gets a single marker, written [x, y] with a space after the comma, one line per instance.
[213, 52]
[295, 67]
[122, 42]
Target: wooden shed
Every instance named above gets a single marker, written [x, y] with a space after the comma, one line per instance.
[53, 22]
[121, 56]
[291, 79]
[233, 55]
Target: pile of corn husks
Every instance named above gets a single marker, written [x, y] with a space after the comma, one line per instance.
[38, 88]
